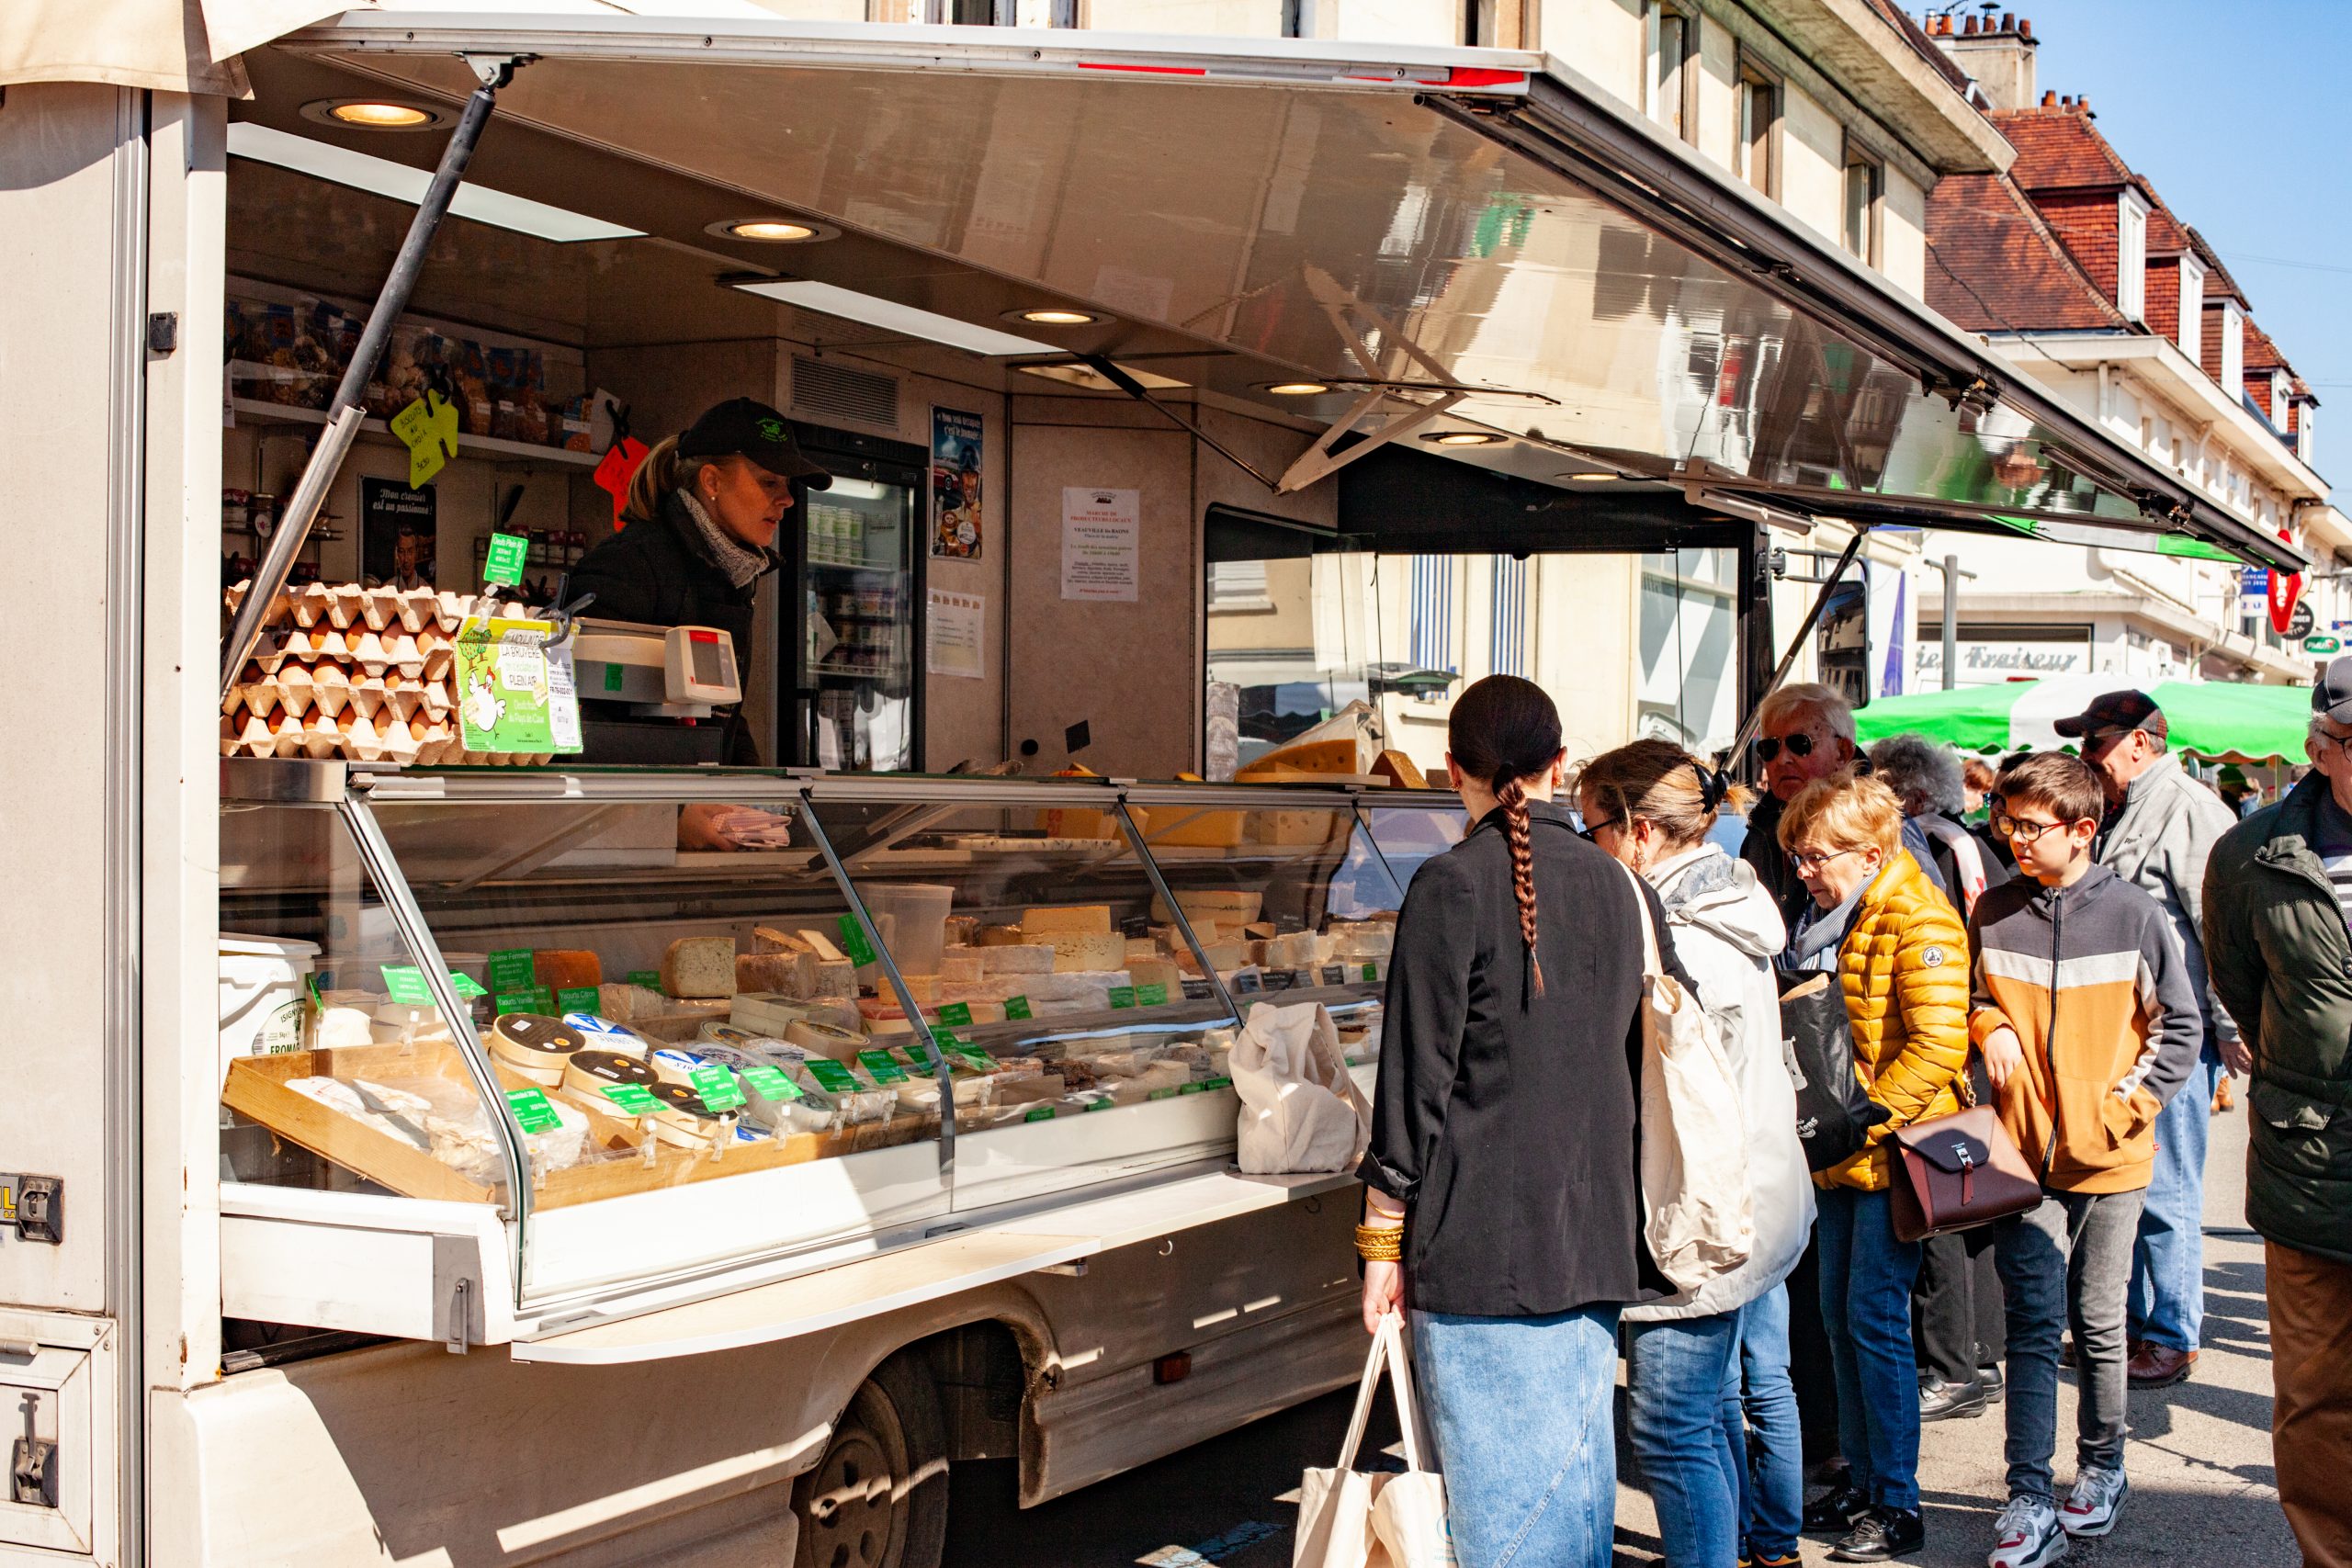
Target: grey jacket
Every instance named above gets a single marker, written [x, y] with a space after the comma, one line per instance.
[2160, 842]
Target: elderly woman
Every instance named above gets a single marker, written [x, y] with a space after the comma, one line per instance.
[1927, 777]
[1902, 960]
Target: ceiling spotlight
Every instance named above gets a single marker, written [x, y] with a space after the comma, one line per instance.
[1591, 476]
[1296, 389]
[1463, 438]
[1054, 316]
[374, 114]
[770, 230]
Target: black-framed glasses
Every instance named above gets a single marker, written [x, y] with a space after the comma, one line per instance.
[1813, 859]
[2022, 830]
[1589, 829]
[1799, 745]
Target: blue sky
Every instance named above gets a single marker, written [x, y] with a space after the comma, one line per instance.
[2240, 114]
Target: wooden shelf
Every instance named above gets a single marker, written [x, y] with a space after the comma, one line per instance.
[490, 446]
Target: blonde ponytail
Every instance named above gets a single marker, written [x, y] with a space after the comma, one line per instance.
[661, 472]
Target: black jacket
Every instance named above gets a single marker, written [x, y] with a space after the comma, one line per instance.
[1761, 849]
[1508, 1123]
[659, 572]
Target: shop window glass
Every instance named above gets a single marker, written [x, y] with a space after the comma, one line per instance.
[1759, 116]
[1864, 182]
[1690, 649]
[1508, 611]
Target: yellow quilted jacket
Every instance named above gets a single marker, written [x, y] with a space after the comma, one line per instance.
[1905, 968]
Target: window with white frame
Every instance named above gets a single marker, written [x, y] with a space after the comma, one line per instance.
[2192, 306]
[1759, 124]
[2233, 350]
[1865, 184]
[2303, 416]
[2131, 256]
[2280, 389]
[1673, 40]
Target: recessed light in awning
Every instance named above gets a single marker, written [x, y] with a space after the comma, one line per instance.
[771, 230]
[1296, 389]
[1463, 438]
[376, 114]
[381, 177]
[889, 315]
[1591, 476]
[1054, 316]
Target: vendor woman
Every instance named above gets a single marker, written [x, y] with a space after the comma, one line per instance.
[701, 519]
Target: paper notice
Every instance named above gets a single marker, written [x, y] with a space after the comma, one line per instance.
[1101, 542]
[953, 634]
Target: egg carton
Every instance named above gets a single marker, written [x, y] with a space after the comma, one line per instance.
[298, 688]
[348, 607]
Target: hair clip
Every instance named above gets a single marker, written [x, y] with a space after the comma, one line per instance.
[1713, 784]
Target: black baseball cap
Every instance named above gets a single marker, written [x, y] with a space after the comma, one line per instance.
[745, 427]
[2332, 693]
[2115, 713]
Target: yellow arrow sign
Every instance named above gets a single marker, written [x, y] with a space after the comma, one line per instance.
[429, 426]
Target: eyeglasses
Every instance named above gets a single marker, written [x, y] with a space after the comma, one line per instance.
[1799, 745]
[2022, 830]
[1813, 859]
[2341, 742]
[1589, 829]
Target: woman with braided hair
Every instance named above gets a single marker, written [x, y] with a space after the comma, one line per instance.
[1504, 1197]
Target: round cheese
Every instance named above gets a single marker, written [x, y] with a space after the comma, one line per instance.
[535, 1046]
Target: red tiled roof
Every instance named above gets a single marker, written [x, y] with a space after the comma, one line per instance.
[1996, 266]
[2261, 354]
[2218, 281]
[2059, 148]
[1895, 17]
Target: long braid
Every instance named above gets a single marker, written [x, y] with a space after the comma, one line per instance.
[1511, 795]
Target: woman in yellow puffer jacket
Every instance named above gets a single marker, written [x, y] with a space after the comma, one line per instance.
[1902, 957]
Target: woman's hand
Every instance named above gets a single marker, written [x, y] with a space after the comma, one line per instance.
[2004, 1055]
[1383, 1292]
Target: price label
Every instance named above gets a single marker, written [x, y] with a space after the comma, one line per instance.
[1016, 1009]
[631, 1099]
[1217, 1083]
[1123, 995]
[538, 999]
[1040, 1113]
[879, 1064]
[1335, 974]
[1372, 972]
[770, 1083]
[1169, 1093]
[577, 999]
[919, 1056]
[467, 987]
[406, 984]
[648, 978]
[533, 1112]
[1099, 1105]
[504, 561]
[830, 1076]
[1200, 990]
[1248, 982]
[612, 679]
[509, 970]
[1151, 996]
[956, 1013]
[717, 1086]
[429, 427]
[854, 942]
[971, 1056]
[1191, 1088]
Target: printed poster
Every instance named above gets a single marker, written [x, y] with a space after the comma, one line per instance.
[1100, 543]
[398, 530]
[514, 692]
[952, 635]
[957, 514]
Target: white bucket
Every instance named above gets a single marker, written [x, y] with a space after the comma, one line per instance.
[263, 1010]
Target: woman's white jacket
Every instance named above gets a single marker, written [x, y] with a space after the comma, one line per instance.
[1727, 931]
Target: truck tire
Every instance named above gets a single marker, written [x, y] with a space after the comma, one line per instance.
[878, 1498]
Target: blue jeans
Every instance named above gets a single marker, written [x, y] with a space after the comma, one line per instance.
[1866, 1277]
[1775, 1491]
[2167, 1302]
[1682, 1389]
[1519, 1408]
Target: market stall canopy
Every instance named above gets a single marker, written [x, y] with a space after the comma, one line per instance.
[171, 46]
[2216, 719]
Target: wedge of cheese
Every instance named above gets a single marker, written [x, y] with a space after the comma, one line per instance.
[1043, 919]
[1079, 952]
[699, 967]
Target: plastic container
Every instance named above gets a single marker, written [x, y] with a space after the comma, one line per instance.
[263, 1009]
[918, 912]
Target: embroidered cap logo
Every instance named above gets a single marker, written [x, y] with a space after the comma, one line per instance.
[772, 430]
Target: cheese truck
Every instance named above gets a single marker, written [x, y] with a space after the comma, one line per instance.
[390, 1176]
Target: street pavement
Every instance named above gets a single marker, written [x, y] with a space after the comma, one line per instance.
[2202, 1490]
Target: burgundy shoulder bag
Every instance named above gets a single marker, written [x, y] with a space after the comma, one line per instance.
[1957, 1172]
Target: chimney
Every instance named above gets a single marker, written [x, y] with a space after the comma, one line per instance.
[1997, 55]
[2049, 100]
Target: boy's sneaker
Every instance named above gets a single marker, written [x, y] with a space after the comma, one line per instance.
[2091, 1506]
[2027, 1535]
[1880, 1536]
[1754, 1556]
[1834, 1511]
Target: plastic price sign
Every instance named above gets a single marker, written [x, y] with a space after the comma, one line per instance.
[879, 1064]
[510, 969]
[467, 987]
[919, 1056]
[1151, 996]
[537, 999]
[576, 998]
[971, 1056]
[956, 1012]
[1372, 972]
[769, 1083]
[717, 1086]
[830, 1076]
[1123, 995]
[406, 984]
[505, 562]
[428, 428]
[533, 1112]
[1016, 1009]
[854, 942]
[633, 1099]
[648, 978]
[1042, 1114]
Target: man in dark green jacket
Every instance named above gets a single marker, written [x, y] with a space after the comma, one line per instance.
[2277, 899]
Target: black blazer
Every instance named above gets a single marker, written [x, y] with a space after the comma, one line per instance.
[1511, 1124]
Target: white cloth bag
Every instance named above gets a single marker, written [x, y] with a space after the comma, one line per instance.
[1699, 1213]
[1350, 1519]
[1300, 1111]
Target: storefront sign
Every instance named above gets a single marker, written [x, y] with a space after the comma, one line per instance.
[514, 692]
[1100, 543]
[2324, 644]
[956, 510]
[1985, 663]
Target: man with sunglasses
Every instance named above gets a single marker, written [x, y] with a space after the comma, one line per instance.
[2160, 830]
[1805, 732]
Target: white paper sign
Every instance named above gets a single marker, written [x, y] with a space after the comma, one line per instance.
[952, 635]
[1100, 543]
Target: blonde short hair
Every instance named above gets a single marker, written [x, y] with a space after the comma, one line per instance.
[1802, 698]
[1844, 811]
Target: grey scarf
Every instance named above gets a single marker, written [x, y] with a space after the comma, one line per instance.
[742, 566]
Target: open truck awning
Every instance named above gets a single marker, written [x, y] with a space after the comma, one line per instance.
[1451, 241]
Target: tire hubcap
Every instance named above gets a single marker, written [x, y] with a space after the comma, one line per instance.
[853, 1512]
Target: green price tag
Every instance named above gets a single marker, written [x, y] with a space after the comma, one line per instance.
[466, 986]
[612, 677]
[505, 562]
[406, 984]
[1042, 1114]
[832, 1076]
[509, 970]
[1217, 1083]
[1016, 1009]
[972, 1057]
[1123, 995]
[884, 1069]
[631, 1099]
[1151, 996]
[717, 1086]
[317, 1002]
[956, 1012]
[576, 998]
[854, 942]
[769, 1083]
[944, 1037]
[1098, 1105]
[1371, 971]
[533, 1113]
[1169, 1093]
[648, 978]
[1190, 1087]
[539, 999]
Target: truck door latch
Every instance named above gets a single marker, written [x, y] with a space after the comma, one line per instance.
[32, 1466]
[35, 1205]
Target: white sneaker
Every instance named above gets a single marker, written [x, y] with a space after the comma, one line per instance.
[2097, 1498]
[2027, 1535]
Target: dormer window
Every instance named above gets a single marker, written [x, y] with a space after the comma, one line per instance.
[2232, 375]
[2131, 256]
[2192, 306]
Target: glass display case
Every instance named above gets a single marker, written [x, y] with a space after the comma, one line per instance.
[913, 1001]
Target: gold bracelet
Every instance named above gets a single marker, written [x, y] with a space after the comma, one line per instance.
[1380, 1244]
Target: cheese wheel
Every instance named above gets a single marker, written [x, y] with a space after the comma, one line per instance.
[672, 1065]
[535, 1046]
[589, 1073]
[561, 969]
[684, 1119]
[840, 1045]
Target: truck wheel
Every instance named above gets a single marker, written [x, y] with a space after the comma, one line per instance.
[878, 1498]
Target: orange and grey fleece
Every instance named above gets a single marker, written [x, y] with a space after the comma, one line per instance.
[2093, 980]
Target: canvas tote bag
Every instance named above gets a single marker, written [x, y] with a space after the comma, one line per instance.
[1700, 1215]
[1352, 1518]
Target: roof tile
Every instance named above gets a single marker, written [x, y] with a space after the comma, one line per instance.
[1999, 267]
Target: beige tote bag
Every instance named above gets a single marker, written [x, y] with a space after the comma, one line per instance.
[1351, 1519]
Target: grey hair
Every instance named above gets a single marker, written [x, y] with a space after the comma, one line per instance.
[1802, 698]
[1917, 769]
